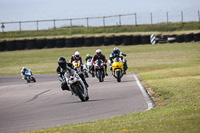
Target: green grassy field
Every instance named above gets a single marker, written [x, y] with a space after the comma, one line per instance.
[80, 30]
[171, 73]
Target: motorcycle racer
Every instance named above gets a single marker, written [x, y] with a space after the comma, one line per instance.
[117, 53]
[77, 57]
[99, 55]
[23, 70]
[63, 67]
[88, 56]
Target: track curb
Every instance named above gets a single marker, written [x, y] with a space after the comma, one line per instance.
[145, 93]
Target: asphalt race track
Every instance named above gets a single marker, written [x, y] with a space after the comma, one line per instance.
[43, 104]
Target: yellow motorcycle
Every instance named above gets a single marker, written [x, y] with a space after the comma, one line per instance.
[117, 68]
[77, 65]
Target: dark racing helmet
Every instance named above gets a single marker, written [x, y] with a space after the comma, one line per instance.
[116, 51]
[98, 52]
[24, 69]
[62, 62]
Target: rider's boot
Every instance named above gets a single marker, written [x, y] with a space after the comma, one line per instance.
[106, 73]
[92, 73]
[125, 68]
[124, 72]
[64, 86]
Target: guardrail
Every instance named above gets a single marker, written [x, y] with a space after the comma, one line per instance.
[134, 21]
[106, 40]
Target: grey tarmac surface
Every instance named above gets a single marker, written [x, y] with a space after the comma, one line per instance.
[43, 104]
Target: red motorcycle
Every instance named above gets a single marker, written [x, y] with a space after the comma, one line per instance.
[99, 67]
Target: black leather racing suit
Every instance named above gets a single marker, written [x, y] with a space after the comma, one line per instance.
[60, 71]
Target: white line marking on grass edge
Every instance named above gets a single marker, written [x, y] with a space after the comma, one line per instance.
[146, 96]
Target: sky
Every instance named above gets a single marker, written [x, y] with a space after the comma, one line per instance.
[15, 10]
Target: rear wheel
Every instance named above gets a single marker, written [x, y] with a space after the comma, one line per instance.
[28, 79]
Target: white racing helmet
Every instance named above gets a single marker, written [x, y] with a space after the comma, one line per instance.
[77, 54]
[98, 52]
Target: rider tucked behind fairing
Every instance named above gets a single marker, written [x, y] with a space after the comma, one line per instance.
[117, 53]
[99, 55]
[63, 67]
[88, 56]
[23, 70]
[77, 57]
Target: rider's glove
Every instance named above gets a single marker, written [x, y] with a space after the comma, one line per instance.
[63, 81]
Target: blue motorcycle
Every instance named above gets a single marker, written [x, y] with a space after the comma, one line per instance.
[29, 76]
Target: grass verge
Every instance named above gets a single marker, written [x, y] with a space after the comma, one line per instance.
[170, 71]
[80, 30]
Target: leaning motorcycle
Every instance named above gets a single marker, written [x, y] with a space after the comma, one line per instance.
[76, 85]
[29, 76]
[117, 68]
[99, 70]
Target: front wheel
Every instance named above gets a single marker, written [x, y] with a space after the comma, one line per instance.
[33, 79]
[87, 97]
[118, 75]
[80, 93]
[86, 75]
[100, 75]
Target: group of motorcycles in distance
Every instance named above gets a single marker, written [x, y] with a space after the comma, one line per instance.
[99, 69]
[76, 85]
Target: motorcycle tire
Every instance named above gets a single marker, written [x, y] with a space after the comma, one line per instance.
[79, 92]
[34, 80]
[100, 75]
[28, 80]
[87, 97]
[86, 75]
[118, 76]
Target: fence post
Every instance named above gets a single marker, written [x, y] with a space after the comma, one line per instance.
[119, 20]
[20, 27]
[103, 21]
[71, 23]
[37, 26]
[87, 22]
[135, 19]
[167, 18]
[199, 17]
[151, 19]
[54, 22]
[2, 27]
[182, 17]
